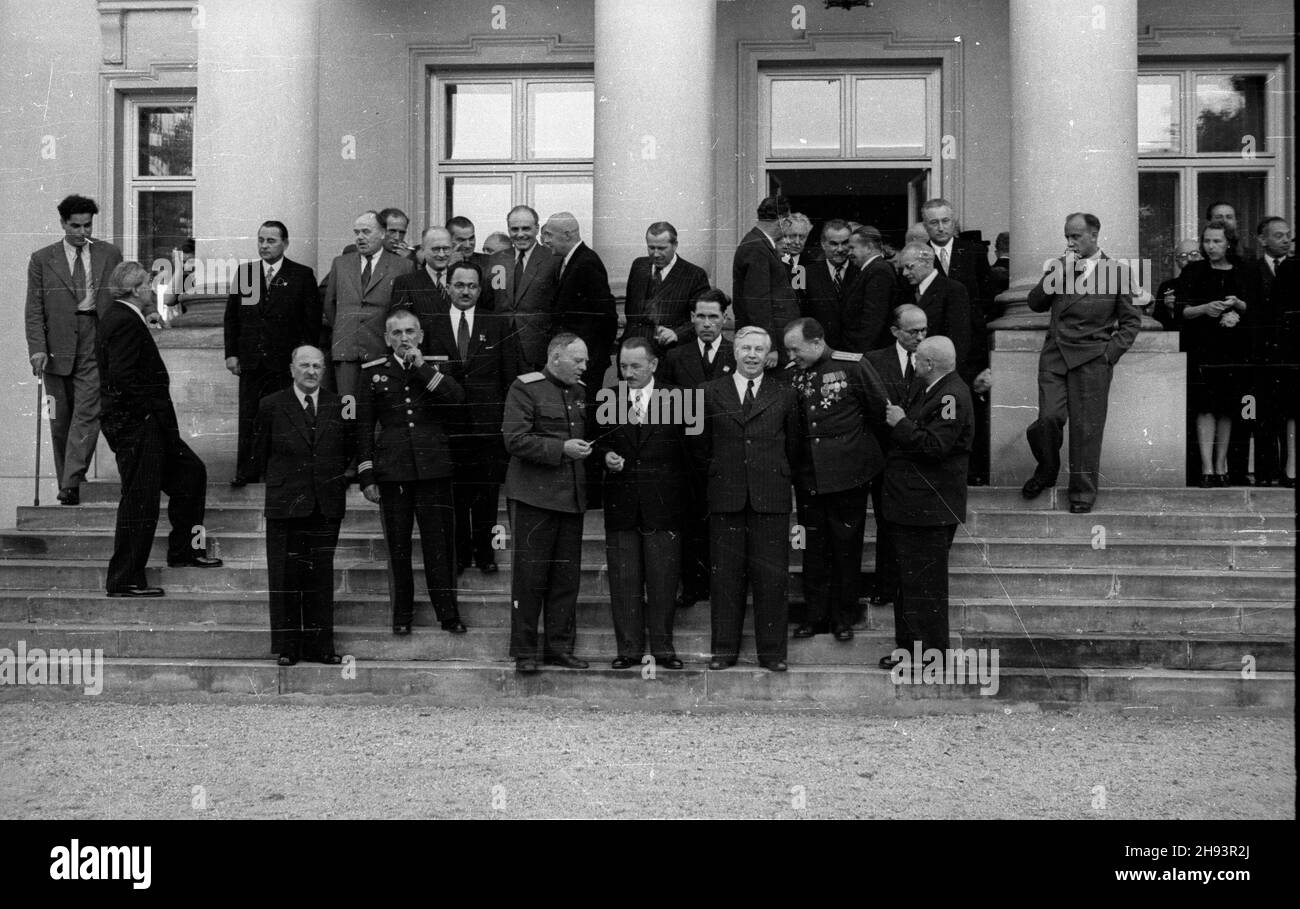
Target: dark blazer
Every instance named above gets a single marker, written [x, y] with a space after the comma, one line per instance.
[684, 366]
[885, 362]
[650, 492]
[821, 301]
[1087, 325]
[969, 265]
[531, 314]
[748, 462]
[51, 311]
[842, 404]
[303, 467]
[760, 286]
[869, 307]
[483, 376]
[357, 314]
[133, 380]
[670, 307]
[585, 306]
[264, 324]
[417, 292]
[947, 312]
[925, 469]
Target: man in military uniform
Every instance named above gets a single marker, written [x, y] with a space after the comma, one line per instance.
[408, 469]
[544, 430]
[842, 406]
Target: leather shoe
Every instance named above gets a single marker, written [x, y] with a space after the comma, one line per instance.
[1287, 482]
[1080, 508]
[566, 661]
[844, 634]
[721, 664]
[806, 630]
[1033, 488]
[622, 663]
[888, 662]
[1207, 481]
[198, 561]
[488, 567]
[238, 483]
[70, 495]
[773, 665]
[526, 667]
[286, 659]
[402, 629]
[671, 663]
[330, 659]
[880, 602]
[456, 627]
[134, 591]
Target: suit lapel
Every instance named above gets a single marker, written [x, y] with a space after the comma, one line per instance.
[765, 396]
[298, 417]
[59, 262]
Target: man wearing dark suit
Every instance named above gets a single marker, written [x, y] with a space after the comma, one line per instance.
[828, 280]
[1093, 322]
[426, 291]
[944, 301]
[523, 280]
[896, 366]
[707, 357]
[750, 445]
[642, 445]
[925, 493]
[470, 346]
[760, 283]
[405, 467]
[842, 407]
[584, 305]
[67, 290]
[463, 241]
[139, 422]
[1274, 239]
[302, 447]
[274, 308]
[869, 300]
[357, 295]
[660, 290]
[544, 429]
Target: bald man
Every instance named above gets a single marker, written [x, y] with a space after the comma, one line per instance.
[583, 302]
[924, 493]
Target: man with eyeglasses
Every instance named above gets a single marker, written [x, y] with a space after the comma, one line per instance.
[426, 290]
[1162, 309]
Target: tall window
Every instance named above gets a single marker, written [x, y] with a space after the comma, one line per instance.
[1206, 134]
[861, 145]
[159, 176]
[504, 140]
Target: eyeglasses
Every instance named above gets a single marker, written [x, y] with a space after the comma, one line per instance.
[461, 285]
[913, 331]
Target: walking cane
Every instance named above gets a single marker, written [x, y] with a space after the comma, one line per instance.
[40, 402]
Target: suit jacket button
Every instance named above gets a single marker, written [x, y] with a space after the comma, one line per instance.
[412, 425]
[409, 412]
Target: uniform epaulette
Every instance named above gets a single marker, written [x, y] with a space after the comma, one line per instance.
[846, 355]
[373, 363]
[530, 377]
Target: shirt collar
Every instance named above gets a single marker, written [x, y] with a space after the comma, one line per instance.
[741, 382]
[70, 251]
[663, 271]
[705, 348]
[645, 392]
[569, 255]
[938, 246]
[925, 285]
[303, 396]
[904, 356]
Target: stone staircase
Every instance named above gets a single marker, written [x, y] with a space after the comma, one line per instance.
[1172, 599]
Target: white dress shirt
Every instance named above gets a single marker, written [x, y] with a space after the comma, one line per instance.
[709, 351]
[457, 314]
[742, 382]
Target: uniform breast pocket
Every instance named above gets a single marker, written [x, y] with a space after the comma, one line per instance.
[552, 412]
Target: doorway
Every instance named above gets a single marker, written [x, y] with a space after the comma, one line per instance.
[888, 199]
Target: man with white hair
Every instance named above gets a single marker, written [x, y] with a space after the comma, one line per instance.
[924, 492]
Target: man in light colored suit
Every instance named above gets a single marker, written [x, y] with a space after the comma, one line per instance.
[1093, 321]
[67, 286]
[524, 280]
[357, 293]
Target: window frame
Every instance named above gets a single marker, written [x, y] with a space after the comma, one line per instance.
[133, 183]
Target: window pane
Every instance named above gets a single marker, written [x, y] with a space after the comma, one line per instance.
[1228, 110]
[554, 194]
[1158, 222]
[1159, 123]
[164, 222]
[1244, 191]
[889, 116]
[561, 120]
[478, 122]
[166, 137]
[484, 200]
[805, 117]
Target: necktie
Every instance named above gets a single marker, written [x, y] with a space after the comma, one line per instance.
[943, 258]
[838, 277]
[910, 374]
[270, 276]
[365, 275]
[748, 403]
[638, 415]
[1273, 264]
[310, 410]
[706, 360]
[656, 281]
[79, 279]
[462, 337]
[440, 278]
[519, 272]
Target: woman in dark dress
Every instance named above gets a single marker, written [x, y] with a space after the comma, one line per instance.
[1215, 296]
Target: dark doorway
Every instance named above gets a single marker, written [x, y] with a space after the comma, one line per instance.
[886, 199]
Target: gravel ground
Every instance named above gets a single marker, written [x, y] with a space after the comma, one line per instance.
[113, 760]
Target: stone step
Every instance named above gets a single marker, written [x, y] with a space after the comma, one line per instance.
[1217, 652]
[863, 690]
[1172, 500]
[997, 615]
[1016, 583]
[1275, 554]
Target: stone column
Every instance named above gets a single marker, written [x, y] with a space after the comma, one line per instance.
[255, 142]
[654, 128]
[1074, 114]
